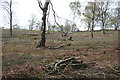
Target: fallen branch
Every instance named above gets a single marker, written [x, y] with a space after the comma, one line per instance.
[70, 38]
[63, 61]
[59, 46]
[55, 67]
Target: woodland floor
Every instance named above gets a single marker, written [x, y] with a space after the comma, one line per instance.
[21, 59]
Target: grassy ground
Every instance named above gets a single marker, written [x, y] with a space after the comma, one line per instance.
[20, 57]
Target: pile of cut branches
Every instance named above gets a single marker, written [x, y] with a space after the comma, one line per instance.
[60, 65]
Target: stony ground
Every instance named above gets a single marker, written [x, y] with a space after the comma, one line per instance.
[21, 58]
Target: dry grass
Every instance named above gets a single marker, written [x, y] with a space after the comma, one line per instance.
[20, 50]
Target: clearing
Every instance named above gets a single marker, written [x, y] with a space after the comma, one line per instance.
[21, 58]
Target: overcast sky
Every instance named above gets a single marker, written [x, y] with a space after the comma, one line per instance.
[28, 8]
[24, 9]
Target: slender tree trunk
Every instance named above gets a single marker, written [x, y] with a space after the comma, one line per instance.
[43, 39]
[11, 17]
[48, 29]
[92, 29]
[116, 28]
[103, 16]
[102, 23]
[88, 26]
[103, 30]
[93, 19]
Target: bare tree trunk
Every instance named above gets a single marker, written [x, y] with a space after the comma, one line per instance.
[11, 17]
[48, 29]
[93, 19]
[103, 30]
[116, 28]
[88, 26]
[104, 14]
[92, 29]
[102, 19]
[43, 39]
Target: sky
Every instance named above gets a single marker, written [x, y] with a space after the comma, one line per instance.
[25, 9]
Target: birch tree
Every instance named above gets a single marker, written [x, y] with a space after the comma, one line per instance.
[104, 6]
[7, 6]
[91, 13]
[44, 10]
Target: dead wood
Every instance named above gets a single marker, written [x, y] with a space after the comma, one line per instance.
[59, 46]
[70, 38]
[65, 34]
[55, 67]
[63, 61]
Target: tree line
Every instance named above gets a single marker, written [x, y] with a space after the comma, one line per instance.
[104, 14]
[96, 14]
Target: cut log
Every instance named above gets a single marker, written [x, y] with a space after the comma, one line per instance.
[63, 61]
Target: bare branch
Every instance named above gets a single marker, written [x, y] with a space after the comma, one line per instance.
[54, 14]
[6, 19]
[40, 5]
[7, 6]
[7, 10]
[4, 5]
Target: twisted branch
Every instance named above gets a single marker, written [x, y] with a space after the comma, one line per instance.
[40, 5]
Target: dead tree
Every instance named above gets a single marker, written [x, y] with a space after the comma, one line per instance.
[7, 6]
[10, 17]
[44, 10]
